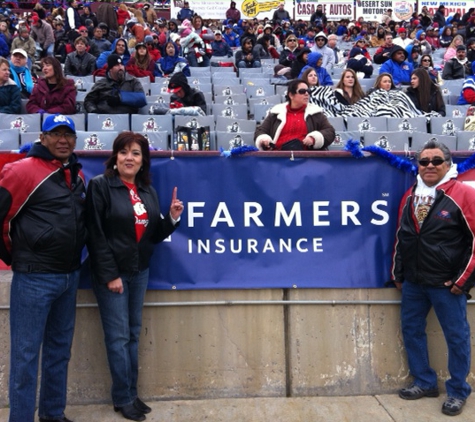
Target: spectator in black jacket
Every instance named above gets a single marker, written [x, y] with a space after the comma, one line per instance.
[80, 62]
[183, 94]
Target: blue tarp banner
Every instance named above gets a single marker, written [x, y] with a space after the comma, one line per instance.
[262, 222]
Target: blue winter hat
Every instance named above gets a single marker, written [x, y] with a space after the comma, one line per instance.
[57, 120]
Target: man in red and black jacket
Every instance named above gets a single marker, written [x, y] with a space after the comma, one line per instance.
[42, 207]
[434, 264]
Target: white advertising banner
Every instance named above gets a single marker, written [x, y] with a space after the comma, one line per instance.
[372, 10]
[216, 9]
[451, 7]
[334, 10]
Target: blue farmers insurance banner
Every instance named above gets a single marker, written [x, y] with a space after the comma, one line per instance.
[260, 222]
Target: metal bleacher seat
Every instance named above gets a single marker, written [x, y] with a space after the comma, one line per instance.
[29, 137]
[200, 71]
[446, 125]
[419, 139]
[95, 140]
[198, 80]
[228, 89]
[407, 124]
[281, 89]
[337, 72]
[230, 99]
[158, 89]
[105, 122]
[271, 99]
[341, 137]
[158, 140]
[247, 70]
[80, 96]
[153, 124]
[452, 86]
[22, 122]
[338, 123]
[390, 141]
[228, 140]
[226, 124]
[466, 141]
[203, 87]
[260, 90]
[145, 82]
[236, 111]
[364, 124]
[260, 111]
[160, 98]
[9, 139]
[79, 120]
[456, 110]
[190, 120]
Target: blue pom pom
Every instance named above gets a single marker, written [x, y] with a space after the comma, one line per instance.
[394, 160]
[354, 148]
[238, 150]
[26, 147]
[466, 165]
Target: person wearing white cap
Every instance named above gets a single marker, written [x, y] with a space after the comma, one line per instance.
[220, 47]
[20, 73]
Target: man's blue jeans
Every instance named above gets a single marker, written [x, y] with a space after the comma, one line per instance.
[121, 316]
[42, 310]
[451, 311]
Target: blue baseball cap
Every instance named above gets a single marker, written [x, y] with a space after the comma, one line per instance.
[57, 120]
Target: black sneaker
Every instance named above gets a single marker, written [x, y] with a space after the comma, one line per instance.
[452, 406]
[415, 392]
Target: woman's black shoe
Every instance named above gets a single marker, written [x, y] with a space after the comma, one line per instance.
[130, 412]
[141, 406]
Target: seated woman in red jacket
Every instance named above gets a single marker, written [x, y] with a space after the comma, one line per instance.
[53, 93]
[141, 63]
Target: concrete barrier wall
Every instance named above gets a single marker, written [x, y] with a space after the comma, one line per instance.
[261, 350]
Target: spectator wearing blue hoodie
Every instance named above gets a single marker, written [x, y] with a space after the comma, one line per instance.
[231, 37]
[119, 47]
[413, 52]
[398, 66]
[171, 63]
[315, 61]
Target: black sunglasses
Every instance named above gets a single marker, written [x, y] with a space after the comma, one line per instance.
[424, 162]
[303, 91]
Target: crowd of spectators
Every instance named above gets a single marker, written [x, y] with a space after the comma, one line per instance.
[76, 42]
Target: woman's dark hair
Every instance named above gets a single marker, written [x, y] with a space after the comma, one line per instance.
[424, 90]
[292, 87]
[262, 40]
[57, 69]
[123, 140]
[430, 58]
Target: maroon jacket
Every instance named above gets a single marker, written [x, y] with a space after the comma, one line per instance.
[58, 100]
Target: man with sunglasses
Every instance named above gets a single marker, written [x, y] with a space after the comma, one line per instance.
[434, 264]
[43, 233]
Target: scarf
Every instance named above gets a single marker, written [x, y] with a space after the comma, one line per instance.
[424, 195]
[24, 74]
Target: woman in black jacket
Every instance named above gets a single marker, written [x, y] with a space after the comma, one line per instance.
[425, 95]
[124, 223]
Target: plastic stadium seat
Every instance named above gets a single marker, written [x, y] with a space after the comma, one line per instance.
[9, 139]
[104, 122]
[95, 140]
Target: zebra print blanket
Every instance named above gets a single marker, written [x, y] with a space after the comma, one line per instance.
[379, 103]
